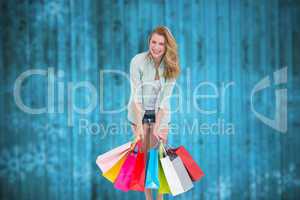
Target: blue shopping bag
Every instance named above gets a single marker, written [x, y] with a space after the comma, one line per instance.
[152, 180]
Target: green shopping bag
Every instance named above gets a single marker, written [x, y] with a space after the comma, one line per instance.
[163, 184]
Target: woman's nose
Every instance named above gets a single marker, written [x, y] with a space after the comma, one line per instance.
[156, 47]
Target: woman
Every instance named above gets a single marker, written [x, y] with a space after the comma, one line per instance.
[152, 78]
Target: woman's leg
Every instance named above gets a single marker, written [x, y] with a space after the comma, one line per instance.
[148, 142]
[146, 145]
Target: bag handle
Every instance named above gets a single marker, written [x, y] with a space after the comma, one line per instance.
[163, 147]
[134, 141]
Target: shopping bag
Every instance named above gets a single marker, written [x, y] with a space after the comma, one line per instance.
[176, 174]
[163, 184]
[107, 160]
[113, 172]
[123, 180]
[138, 175]
[152, 181]
[193, 169]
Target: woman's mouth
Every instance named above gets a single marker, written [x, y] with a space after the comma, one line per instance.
[156, 52]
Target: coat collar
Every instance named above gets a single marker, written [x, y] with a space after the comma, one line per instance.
[151, 61]
[161, 66]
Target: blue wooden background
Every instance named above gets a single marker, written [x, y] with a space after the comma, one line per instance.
[220, 41]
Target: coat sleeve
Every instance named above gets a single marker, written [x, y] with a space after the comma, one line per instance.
[167, 90]
[136, 80]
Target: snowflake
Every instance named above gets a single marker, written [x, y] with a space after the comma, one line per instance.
[16, 121]
[11, 163]
[277, 174]
[51, 10]
[43, 159]
[285, 181]
[37, 159]
[291, 168]
[223, 188]
[80, 178]
[80, 23]
[83, 175]
[51, 132]
[253, 187]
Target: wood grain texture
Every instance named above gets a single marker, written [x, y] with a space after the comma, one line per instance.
[225, 46]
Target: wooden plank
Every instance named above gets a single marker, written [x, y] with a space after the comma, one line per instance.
[219, 41]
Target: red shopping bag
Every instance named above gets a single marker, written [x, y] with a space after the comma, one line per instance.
[138, 176]
[193, 169]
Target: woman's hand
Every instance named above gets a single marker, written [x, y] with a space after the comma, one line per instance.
[140, 132]
[156, 130]
[137, 108]
[156, 127]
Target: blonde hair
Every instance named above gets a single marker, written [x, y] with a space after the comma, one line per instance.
[171, 59]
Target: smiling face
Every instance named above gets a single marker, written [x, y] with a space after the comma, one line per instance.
[157, 46]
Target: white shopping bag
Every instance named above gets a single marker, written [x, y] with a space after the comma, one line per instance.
[176, 174]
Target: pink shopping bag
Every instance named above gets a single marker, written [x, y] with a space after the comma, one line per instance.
[124, 178]
[107, 160]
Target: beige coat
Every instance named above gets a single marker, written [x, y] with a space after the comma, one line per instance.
[142, 70]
